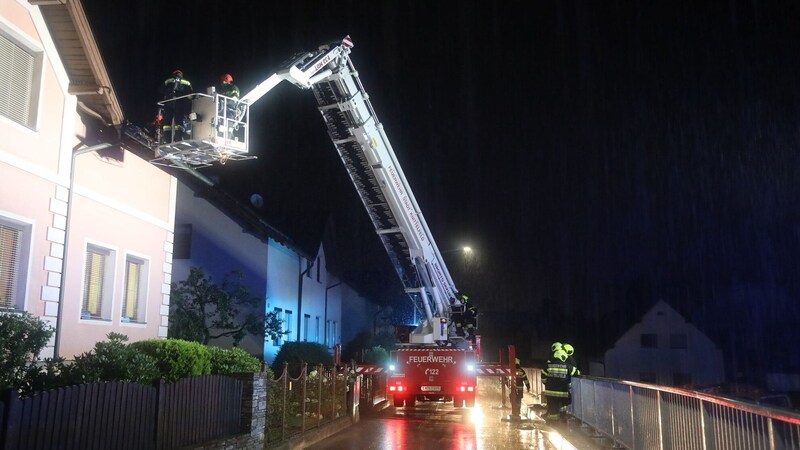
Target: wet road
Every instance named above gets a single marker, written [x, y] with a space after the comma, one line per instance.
[439, 426]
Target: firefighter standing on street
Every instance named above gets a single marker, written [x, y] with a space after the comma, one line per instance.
[557, 380]
[176, 112]
[521, 380]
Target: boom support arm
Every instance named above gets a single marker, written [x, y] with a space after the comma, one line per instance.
[371, 163]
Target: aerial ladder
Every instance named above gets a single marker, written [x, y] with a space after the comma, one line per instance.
[220, 132]
[367, 154]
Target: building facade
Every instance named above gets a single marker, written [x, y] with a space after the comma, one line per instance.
[85, 224]
[220, 235]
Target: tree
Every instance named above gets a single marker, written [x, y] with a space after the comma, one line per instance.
[201, 310]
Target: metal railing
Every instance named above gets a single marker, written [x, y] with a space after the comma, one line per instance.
[298, 404]
[644, 416]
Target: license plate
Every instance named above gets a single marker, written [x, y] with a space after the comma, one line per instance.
[431, 388]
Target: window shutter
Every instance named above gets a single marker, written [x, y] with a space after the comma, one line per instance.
[10, 243]
[16, 82]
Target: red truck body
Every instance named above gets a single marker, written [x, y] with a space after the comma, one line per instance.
[424, 374]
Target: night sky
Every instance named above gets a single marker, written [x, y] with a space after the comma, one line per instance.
[597, 156]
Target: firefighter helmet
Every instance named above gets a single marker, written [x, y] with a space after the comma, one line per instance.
[555, 346]
[226, 78]
[560, 355]
[569, 349]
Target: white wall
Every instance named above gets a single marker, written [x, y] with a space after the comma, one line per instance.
[701, 360]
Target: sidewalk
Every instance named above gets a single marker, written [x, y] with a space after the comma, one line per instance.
[563, 435]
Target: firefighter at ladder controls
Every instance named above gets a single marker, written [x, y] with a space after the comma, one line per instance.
[557, 380]
[176, 112]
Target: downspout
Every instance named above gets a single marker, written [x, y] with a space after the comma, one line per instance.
[326, 309]
[63, 283]
[300, 296]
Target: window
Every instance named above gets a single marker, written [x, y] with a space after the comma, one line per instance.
[316, 333]
[183, 242]
[318, 270]
[20, 78]
[134, 297]
[649, 340]
[14, 254]
[678, 341]
[277, 339]
[288, 321]
[328, 333]
[306, 320]
[97, 283]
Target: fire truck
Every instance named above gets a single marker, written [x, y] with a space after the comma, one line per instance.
[435, 362]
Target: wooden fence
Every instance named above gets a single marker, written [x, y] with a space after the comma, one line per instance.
[123, 415]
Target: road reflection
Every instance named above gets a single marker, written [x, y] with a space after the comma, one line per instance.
[438, 425]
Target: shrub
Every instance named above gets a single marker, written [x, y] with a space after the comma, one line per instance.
[176, 358]
[376, 355]
[296, 353]
[112, 360]
[22, 338]
[226, 361]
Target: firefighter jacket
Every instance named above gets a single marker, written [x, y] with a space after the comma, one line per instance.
[522, 380]
[176, 87]
[228, 90]
[557, 378]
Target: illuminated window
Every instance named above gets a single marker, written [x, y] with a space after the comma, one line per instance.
[134, 298]
[20, 77]
[97, 283]
[14, 249]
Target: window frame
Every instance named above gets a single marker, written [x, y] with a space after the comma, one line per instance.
[642, 341]
[277, 339]
[22, 269]
[17, 38]
[107, 285]
[287, 314]
[142, 287]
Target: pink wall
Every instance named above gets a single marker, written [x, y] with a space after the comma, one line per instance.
[127, 206]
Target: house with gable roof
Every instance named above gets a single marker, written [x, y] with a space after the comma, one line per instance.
[663, 348]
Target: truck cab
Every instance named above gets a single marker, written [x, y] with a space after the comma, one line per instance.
[432, 374]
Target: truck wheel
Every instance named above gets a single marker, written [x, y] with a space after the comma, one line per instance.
[470, 402]
[458, 401]
[398, 402]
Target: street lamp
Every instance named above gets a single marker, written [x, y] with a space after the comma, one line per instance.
[466, 250]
